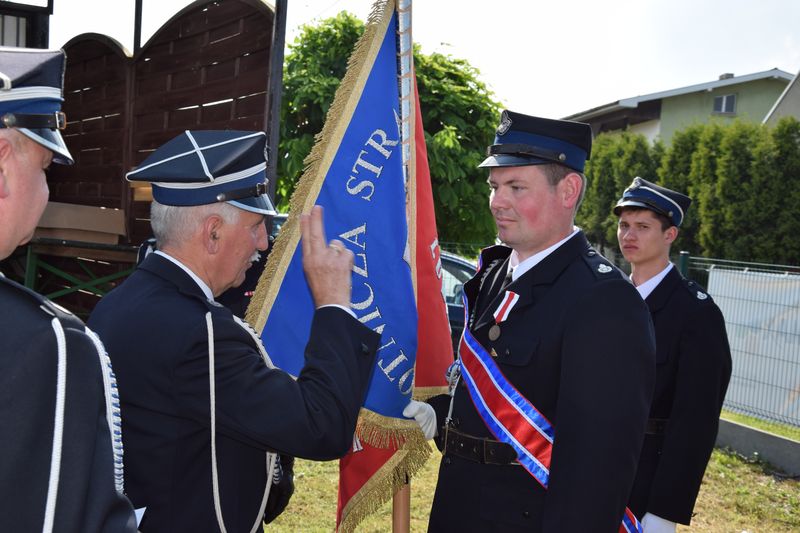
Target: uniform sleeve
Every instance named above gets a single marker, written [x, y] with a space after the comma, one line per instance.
[27, 404]
[607, 380]
[86, 497]
[313, 417]
[704, 369]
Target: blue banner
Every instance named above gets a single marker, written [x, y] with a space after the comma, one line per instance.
[358, 178]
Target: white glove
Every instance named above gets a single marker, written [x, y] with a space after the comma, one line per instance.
[424, 415]
[655, 524]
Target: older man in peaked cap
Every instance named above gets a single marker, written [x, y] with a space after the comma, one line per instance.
[205, 410]
[548, 406]
[61, 467]
[693, 359]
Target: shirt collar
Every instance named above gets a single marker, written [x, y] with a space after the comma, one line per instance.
[518, 269]
[200, 283]
[646, 288]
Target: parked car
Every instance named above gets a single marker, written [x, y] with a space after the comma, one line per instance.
[456, 271]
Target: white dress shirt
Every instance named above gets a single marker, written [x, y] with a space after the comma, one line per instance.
[650, 285]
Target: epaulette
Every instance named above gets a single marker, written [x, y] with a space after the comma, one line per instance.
[600, 266]
[696, 290]
[50, 308]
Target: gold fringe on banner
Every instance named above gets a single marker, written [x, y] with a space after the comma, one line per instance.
[423, 393]
[386, 432]
[380, 488]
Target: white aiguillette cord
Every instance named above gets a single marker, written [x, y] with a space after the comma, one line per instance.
[58, 428]
[271, 457]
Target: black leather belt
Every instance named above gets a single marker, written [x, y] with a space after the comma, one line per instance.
[479, 450]
[656, 426]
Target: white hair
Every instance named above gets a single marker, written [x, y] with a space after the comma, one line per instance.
[16, 139]
[173, 225]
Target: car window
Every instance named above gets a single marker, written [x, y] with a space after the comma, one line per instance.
[454, 275]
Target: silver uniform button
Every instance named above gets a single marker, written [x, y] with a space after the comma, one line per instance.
[604, 269]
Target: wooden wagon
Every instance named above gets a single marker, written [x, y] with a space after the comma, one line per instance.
[217, 64]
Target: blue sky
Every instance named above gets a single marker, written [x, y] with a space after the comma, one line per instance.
[550, 59]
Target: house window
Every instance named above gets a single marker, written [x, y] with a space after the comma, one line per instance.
[725, 104]
[13, 30]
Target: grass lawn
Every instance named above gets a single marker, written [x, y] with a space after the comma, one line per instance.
[784, 430]
[736, 496]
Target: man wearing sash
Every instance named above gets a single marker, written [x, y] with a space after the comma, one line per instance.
[693, 359]
[205, 410]
[551, 390]
[62, 461]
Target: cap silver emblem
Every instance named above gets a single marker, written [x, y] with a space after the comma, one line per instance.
[505, 124]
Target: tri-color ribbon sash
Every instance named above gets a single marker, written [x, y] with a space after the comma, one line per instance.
[509, 415]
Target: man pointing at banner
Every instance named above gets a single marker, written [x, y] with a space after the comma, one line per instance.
[203, 407]
[551, 391]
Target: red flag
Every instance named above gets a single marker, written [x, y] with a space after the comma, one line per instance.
[434, 346]
[369, 476]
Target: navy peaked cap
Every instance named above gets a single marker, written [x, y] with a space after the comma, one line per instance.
[31, 92]
[642, 193]
[523, 140]
[208, 166]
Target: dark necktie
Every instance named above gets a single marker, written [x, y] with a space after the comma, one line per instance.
[507, 280]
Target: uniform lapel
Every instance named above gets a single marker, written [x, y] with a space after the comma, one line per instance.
[537, 278]
[660, 295]
[492, 261]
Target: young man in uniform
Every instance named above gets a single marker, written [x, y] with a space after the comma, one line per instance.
[693, 360]
[555, 374]
[61, 467]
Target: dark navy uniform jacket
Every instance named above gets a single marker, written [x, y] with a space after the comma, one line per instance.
[693, 366]
[579, 345]
[87, 489]
[154, 327]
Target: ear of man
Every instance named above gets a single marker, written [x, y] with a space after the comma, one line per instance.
[671, 234]
[211, 232]
[6, 153]
[570, 190]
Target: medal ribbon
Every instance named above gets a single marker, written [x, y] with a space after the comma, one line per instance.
[509, 300]
[508, 414]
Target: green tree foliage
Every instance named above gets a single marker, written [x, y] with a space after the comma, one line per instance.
[703, 189]
[738, 196]
[459, 117]
[786, 138]
[594, 215]
[774, 200]
[744, 180]
[616, 159]
[674, 173]
[313, 69]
